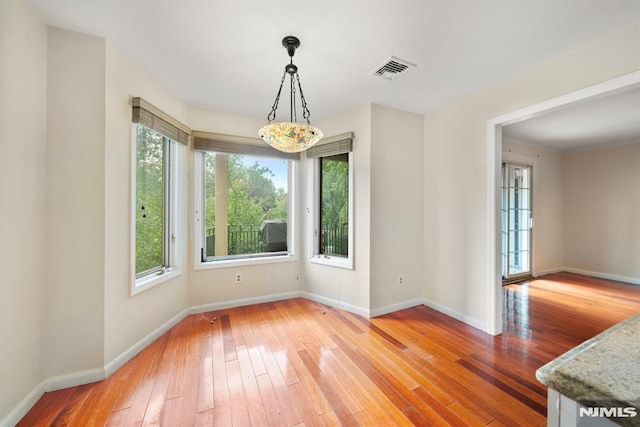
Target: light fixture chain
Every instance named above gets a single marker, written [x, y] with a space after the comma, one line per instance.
[294, 112]
[272, 115]
[305, 111]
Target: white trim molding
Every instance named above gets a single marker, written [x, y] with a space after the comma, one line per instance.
[50, 384]
[550, 271]
[24, 406]
[396, 307]
[74, 379]
[471, 321]
[330, 302]
[243, 302]
[599, 275]
[132, 351]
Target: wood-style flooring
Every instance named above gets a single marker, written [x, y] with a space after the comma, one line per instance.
[297, 362]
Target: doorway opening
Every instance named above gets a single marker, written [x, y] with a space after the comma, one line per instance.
[494, 176]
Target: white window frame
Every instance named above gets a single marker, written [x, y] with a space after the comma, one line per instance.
[148, 281]
[314, 223]
[199, 221]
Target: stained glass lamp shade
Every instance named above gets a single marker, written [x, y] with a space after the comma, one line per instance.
[290, 137]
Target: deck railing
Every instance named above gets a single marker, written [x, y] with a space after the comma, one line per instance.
[245, 239]
[335, 239]
[241, 239]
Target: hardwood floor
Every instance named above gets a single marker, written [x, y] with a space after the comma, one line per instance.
[297, 362]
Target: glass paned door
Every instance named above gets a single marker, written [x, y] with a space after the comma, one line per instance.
[516, 220]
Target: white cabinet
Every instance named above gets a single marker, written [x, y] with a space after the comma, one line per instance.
[565, 412]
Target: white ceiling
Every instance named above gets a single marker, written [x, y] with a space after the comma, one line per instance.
[227, 54]
[614, 119]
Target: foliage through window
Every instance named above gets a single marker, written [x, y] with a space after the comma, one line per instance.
[334, 205]
[245, 208]
[152, 194]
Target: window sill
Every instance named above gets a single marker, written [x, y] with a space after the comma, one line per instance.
[209, 265]
[152, 280]
[340, 262]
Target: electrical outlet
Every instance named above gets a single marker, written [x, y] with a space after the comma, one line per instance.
[400, 280]
[238, 277]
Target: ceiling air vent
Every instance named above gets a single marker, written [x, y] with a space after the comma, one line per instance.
[391, 68]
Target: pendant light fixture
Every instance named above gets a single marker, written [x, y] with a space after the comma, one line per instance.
[290, 137]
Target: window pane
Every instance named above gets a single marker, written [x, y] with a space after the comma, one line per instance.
[150, 201]
[250, 216]
[334, 205]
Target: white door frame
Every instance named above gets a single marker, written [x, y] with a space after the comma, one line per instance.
[494, 164]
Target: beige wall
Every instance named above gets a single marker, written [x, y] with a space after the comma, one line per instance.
[75, 206]
[397, 208]
[23, 44]
[128, 319]
[457, 267]
[602, 211]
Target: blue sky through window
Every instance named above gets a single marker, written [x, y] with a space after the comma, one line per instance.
[277, 166]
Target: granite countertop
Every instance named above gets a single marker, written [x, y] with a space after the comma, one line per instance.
[603, 371]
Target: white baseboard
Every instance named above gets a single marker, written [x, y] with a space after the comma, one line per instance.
[23, 407]
[599, 275]
[50, 384]
[632, 280]
[73, 379]
[243, 302]
[129, 354]
[549, 271]
[337, 304]
[471, 321]
[395, 307]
